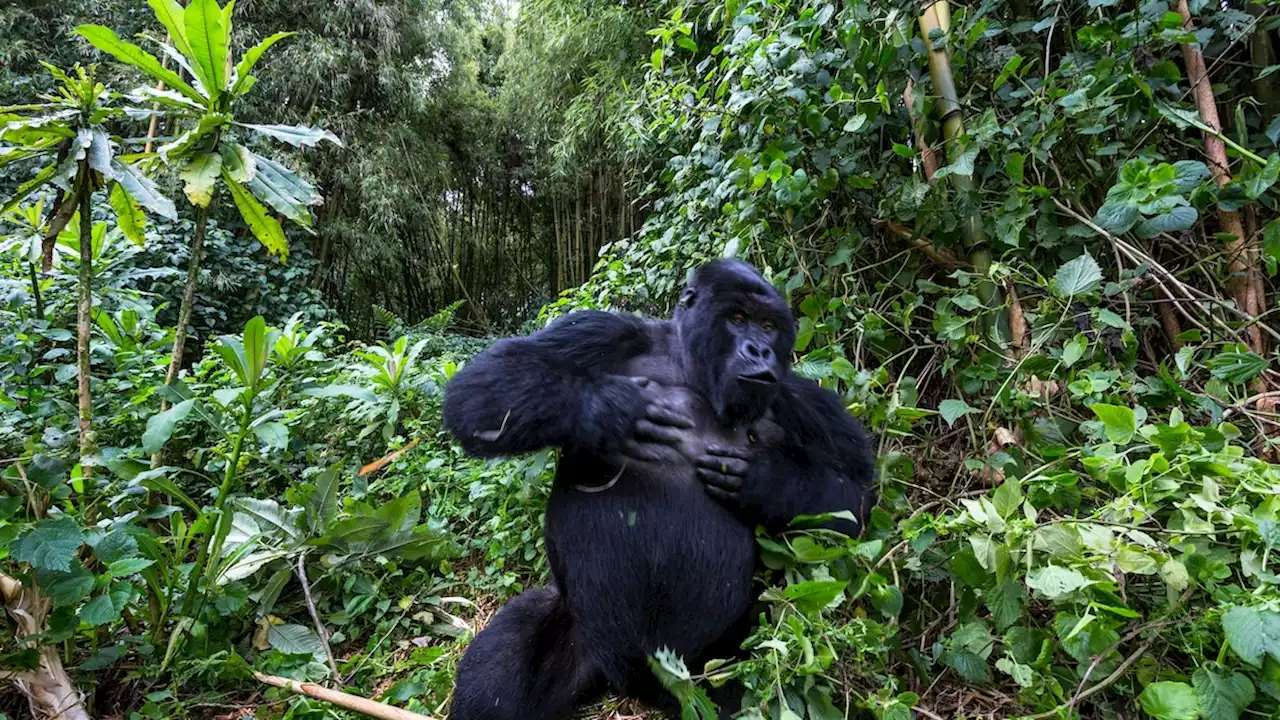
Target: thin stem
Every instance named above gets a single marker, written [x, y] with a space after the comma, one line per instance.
[84, 312]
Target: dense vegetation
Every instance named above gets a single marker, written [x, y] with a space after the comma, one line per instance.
[1032, 245]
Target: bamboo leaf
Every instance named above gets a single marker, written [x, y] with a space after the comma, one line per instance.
[106, 40]
[264, 227]
[203, 19]
[250, 59]
[129, 215]
[200, 176]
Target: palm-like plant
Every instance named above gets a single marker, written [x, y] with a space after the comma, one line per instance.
[66, 134]
[209, 151]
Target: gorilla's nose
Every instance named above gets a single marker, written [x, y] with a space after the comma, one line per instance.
[756, 351]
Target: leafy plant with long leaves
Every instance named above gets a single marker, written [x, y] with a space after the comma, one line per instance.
[211, 152]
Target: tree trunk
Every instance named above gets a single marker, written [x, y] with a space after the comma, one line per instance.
[184, 311]
[84, 312]
[48, 689]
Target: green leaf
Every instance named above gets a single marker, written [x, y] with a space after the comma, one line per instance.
[145, 192]
[1119, 422]
[156, 480]
[296, 640]
[1189, 174]
[1013, 166]
[1265, 178]
[161, 425]
[200, 177]
[238, 162]
[47, 471]
[70, 589]
[114, 546]
[129, 566]
[1236, 367]
[284, 191]
[1223, 694]
[952, 410]
[106, 607]
[1078, 276]
[106, 40]
[273, 434]
[1117, 217]
[251, 58]
[322, 506]
[264, 227]
[203, 19]
[968, 664]
[129, 216]
[1170, 701]
[1054, 582]
[171, 15]
[1007, 497]
[50, 545]
[814, 595]
[1175, 220]
[1074, 349]
[295, 135]
[1252, 633]
[100, 153]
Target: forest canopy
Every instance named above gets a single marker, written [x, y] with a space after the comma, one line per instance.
[1031, 245]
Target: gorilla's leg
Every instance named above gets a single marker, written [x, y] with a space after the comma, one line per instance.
[527, 663]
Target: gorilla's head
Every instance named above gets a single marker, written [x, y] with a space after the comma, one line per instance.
[736, 332]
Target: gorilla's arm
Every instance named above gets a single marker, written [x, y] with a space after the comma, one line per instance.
[551, 388]
[824, 465]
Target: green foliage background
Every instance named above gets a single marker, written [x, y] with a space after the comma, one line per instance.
[1063, 350]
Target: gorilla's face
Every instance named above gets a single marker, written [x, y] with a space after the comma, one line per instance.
[737, 335]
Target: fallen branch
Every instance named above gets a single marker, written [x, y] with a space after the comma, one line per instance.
[354, 703]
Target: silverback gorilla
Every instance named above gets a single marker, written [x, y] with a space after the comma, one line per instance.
[677, 438]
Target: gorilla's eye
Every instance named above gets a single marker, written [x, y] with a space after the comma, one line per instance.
[738, 318]
[769, 325]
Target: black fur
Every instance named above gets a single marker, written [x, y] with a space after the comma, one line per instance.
[675, 444]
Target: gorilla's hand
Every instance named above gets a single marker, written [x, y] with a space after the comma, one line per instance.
[661, 434]
[723, 470]
[610, 412]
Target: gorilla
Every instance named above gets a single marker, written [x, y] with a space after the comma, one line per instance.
[677, 438]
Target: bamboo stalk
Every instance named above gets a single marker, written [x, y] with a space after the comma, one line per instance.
[346, 701]
[1237, 250]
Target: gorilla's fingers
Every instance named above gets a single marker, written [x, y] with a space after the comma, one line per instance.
[721, 495]
[728, 451]
[667, 415]
[723, 465]
[719, 481]
[647, 430]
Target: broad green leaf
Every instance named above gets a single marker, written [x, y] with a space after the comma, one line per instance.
[256, 349]
[115, 545]
[47, 471]
[171, 14]
[1236, 367]
[1170, 701]
[1078, 276]
[161, 425]
[71, 588]
[1265, 177]
[285, 193]
[1119, 422]
[200, 177]
[100, 153]
[105, 608]
[1189, 174]
[295, 135]
[208, 40]
[952, 410]
[145, 192]
[1252, 633]
[1223, 694]
[968, 665]
[1054, 582]
[296, 640]
[129, 216]
[238, 162]
[322, 506]
[273, 434]
[50, 545]
[187, 141]
[106, 40]
[1117, 217]
[1007, 497]
[814, 595]
[1175, 220]
[264, 227]
[1074, 349]
[251, 58]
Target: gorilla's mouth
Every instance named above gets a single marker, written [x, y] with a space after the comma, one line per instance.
[762, 377]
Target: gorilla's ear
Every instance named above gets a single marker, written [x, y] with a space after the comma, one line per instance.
[687, 297]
